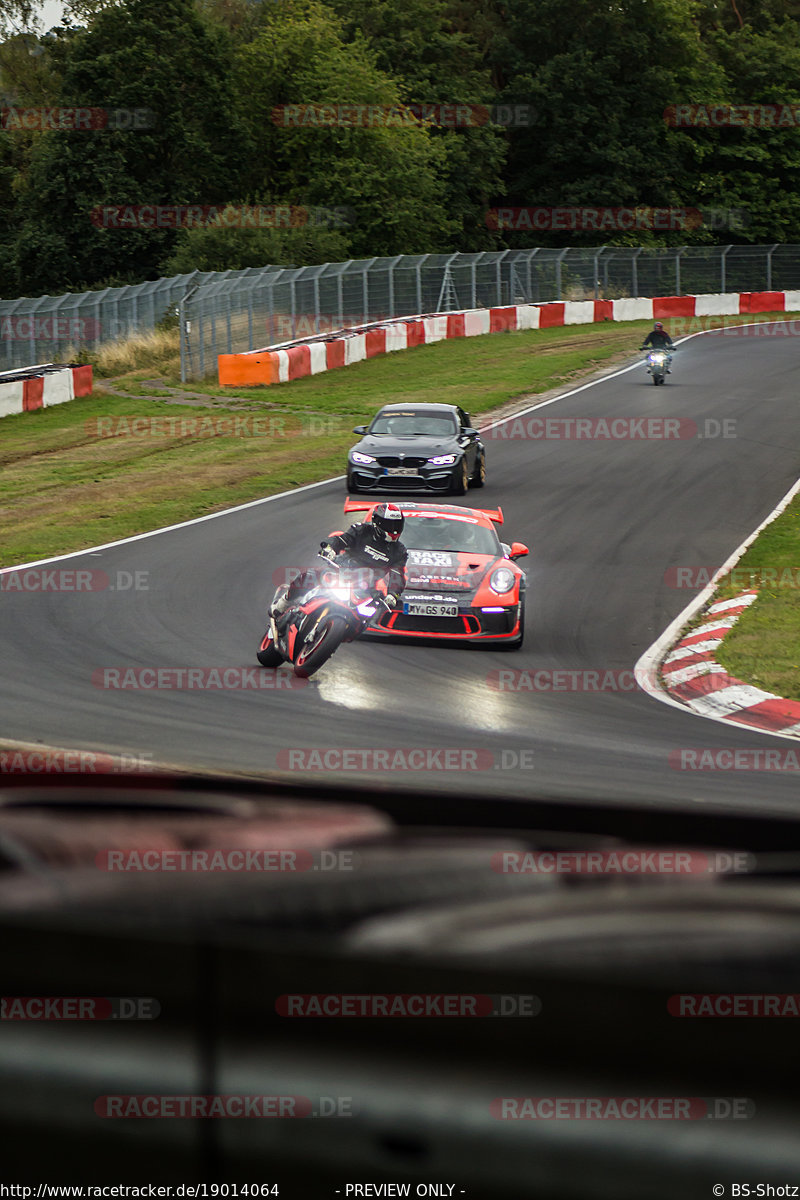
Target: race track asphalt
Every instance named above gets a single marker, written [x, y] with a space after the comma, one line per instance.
[606, 520]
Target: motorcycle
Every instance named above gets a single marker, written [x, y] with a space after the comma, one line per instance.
[657, 364]
[330, 612]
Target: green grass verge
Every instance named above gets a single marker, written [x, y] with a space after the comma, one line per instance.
[763, 648]
[65, 484]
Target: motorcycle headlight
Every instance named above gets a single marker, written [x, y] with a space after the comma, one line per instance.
[340, 593]
[358, 457]
[502, 580]
[442, 460]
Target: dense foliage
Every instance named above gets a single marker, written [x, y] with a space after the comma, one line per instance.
[584, 97]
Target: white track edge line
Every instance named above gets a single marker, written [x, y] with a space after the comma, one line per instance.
[646, 669]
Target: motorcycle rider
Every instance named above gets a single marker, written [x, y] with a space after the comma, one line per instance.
[659, 339]
[374, 543]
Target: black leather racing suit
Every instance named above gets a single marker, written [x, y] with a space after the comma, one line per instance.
[658, 339]
[364, 547]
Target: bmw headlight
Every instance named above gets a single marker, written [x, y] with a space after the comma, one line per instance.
[443, 460]
[502, 580]
[364, 459]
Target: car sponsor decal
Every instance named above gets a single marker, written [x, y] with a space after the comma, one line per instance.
[432, 558]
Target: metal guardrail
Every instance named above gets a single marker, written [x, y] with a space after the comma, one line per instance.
[36, 330]
[228, 316]
[230, 311]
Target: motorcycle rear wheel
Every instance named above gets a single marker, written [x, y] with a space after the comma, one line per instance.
[326, 639]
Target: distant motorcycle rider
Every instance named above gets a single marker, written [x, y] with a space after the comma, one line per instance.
[374, 543]
[659, 339]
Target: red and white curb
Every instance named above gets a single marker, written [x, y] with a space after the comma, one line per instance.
[309, 356]
[691, 675]
[682, 671]
[54, 385]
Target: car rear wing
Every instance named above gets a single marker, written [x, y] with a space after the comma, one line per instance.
[493, 514]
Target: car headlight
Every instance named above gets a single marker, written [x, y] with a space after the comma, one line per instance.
[443, 460]
[358, 457]
[502, 580]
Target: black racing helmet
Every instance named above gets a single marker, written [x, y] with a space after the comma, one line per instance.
[388, 520]
[658, 325]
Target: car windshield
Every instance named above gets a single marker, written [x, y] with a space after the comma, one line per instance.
[441, 533]
[414, 425]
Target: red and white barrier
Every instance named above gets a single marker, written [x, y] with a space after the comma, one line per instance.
[293, 361]
[55, 386]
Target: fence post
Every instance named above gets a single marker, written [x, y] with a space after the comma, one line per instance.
[635, 272]
[722, 279]
[770, 253]
[559, 259]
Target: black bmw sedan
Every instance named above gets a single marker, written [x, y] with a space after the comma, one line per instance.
[417, 447]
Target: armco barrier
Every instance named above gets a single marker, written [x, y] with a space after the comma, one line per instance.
[42, 387]
[354, 345]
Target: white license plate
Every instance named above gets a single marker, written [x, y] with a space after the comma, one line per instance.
[401, 471]
[419, 609]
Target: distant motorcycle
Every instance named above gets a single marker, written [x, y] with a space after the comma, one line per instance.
[334, 610]
[657, 364]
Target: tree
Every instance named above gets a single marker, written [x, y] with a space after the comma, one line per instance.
[436, 61]
[599, 87]
[142, 55]
[391, 176]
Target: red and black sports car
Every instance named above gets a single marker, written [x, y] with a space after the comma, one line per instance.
[462, 581]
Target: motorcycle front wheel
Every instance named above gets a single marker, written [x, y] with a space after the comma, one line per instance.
[267, 655]
[323, 642]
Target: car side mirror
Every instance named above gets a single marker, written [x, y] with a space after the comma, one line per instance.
[517, 550]
[362, 429]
